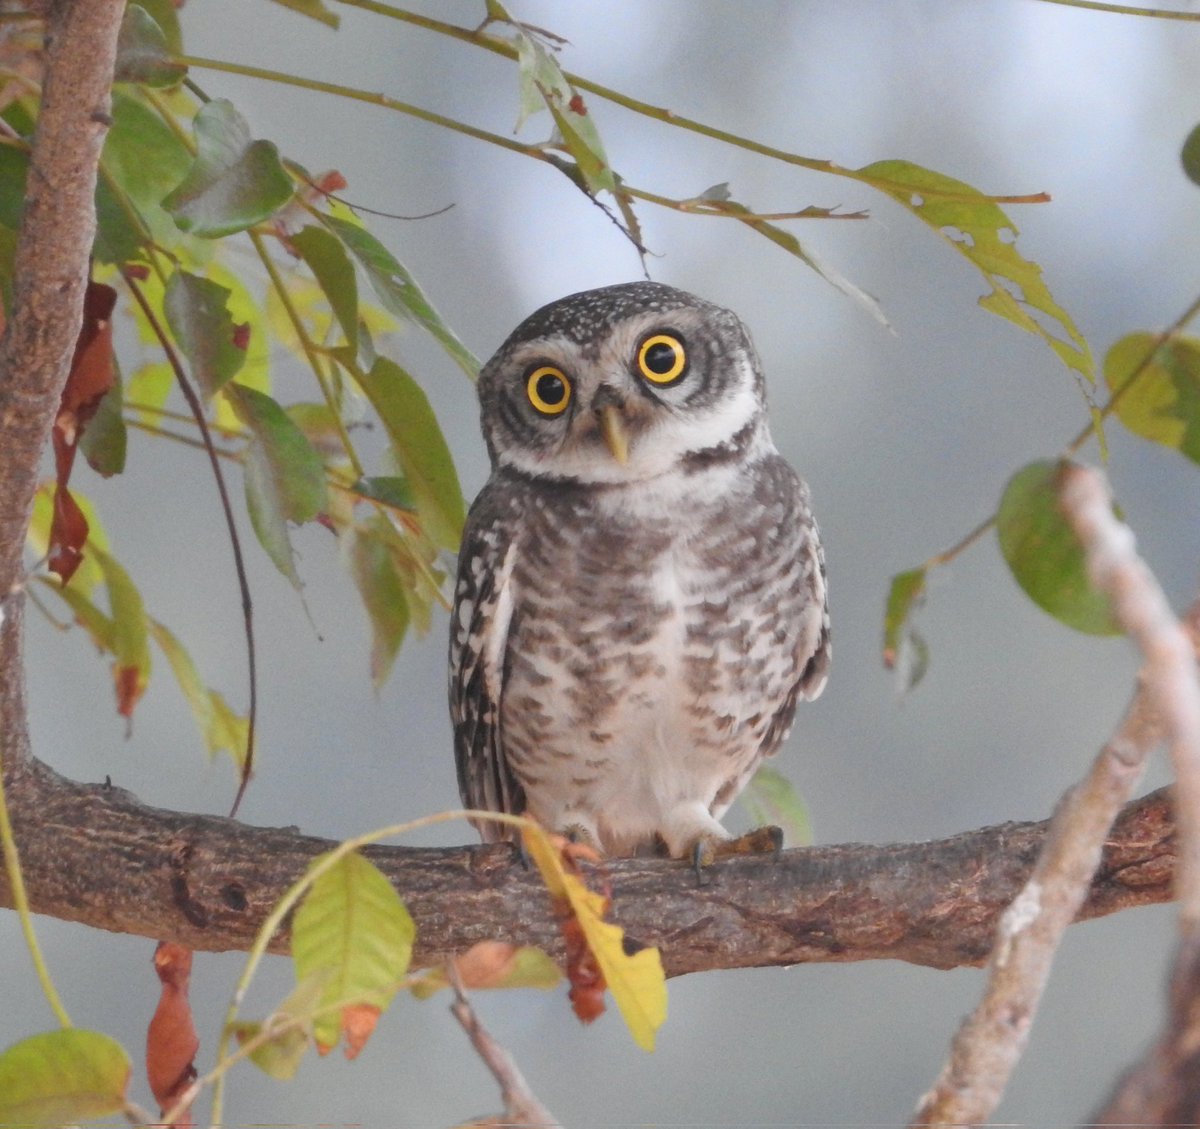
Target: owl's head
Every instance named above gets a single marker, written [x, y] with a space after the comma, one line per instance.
[622, 384]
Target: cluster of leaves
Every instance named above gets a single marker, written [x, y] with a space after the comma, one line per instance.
[352, 940]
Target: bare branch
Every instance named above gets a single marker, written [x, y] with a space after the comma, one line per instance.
[1166, 706]
[94, 854]
[521, 1105]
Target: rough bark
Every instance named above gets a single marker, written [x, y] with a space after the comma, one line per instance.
[94, 854]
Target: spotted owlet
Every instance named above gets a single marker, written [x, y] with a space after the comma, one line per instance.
[641, 588]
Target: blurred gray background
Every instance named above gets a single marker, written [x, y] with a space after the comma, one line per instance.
[906, 437]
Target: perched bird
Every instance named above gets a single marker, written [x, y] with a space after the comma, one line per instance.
[640, 599]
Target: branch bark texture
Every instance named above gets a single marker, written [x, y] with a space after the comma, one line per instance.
[51, 265]
[96, 855]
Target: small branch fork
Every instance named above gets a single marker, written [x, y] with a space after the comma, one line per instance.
[1165, 706]
[521, 1105]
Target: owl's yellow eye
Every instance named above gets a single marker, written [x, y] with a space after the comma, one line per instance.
[661, 358]
[549, 390]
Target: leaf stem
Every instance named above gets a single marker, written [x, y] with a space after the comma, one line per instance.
[1126, 10]
[500, 46]
[16, 883]
[297, 890]
[309, 347]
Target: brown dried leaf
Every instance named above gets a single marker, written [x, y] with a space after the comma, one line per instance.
[171, 1040]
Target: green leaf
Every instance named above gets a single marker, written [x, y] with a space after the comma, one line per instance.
[130, 637]
[793, 246]
[772, 798]
[61, 1077]
[419, 447]
[398, 290]
[383, 590]
[198, 314]
[284, 477]
[142, 154]
[234, 183]
[279, 1057]
[904, 651]
[313, 8]
[391, 490]
[14, 165]
[103, 442]
[143, 55]
[1044, 554]
[543, 83]
[1190, 156]
[96, 623]
[978, 229]
[224, 730]
[352, 928]
[164, 13]
[326, 257]
[1162, 403]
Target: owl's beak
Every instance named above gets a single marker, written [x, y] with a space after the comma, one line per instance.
[612, 427]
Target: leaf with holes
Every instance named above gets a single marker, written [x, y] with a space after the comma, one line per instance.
[353, 930]
[1044, 554]
[1155, 386]
[979, 230]
[234, 182]
[636, 979]
[61, 1077]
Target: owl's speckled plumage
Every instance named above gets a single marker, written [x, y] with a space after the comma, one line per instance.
[630, 638]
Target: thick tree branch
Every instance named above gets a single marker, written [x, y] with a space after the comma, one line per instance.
[51, 265]
[94, 854]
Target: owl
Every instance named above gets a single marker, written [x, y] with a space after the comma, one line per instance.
[641, 597]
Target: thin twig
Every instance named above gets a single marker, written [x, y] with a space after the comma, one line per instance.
[239, 563]
[991, 1040]
[521, 1105]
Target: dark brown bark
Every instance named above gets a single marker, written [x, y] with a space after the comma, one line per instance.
[96, 855]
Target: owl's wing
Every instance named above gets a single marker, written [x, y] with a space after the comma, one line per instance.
[813, 644]
[482, 615]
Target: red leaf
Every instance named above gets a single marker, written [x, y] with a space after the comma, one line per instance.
[91, 376]
[68, 532]
[129, 688]
[583, 973]
[171, 1041]
[358, 1025]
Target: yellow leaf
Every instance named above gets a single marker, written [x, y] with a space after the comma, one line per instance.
[637, 982]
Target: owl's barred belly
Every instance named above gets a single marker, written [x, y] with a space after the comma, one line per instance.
[614, 720]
